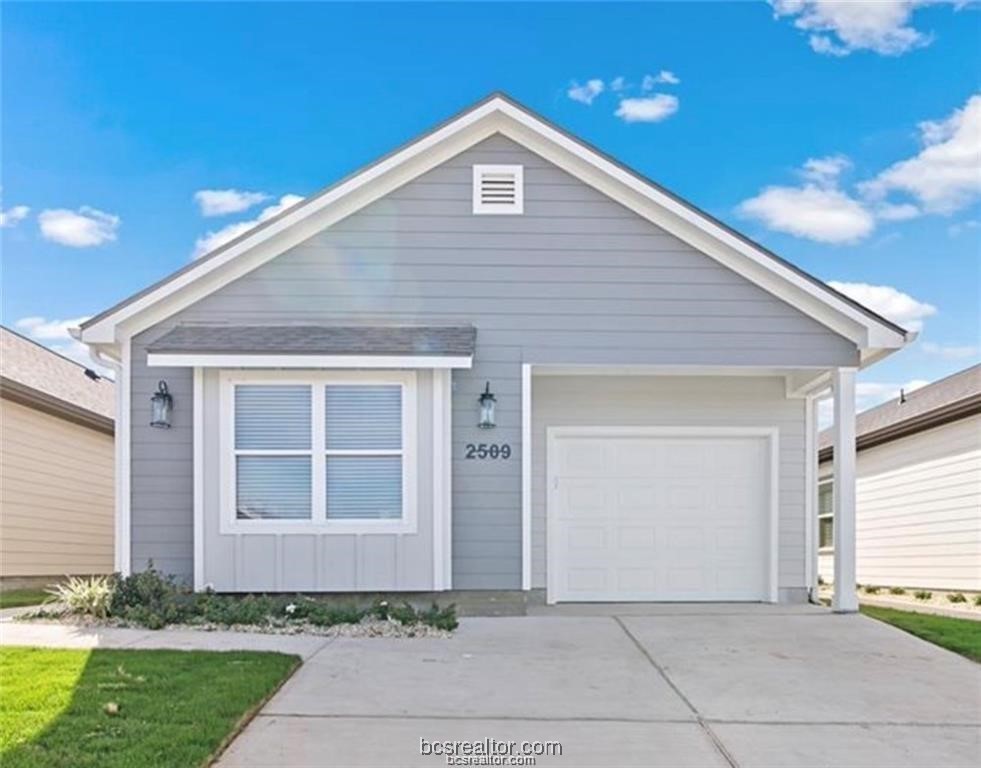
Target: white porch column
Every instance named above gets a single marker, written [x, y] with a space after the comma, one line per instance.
[845, 599]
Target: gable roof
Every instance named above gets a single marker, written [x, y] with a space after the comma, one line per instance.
[954, 397]
[38, 377]
[498, 113]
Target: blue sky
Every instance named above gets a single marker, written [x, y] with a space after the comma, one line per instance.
[115, 116]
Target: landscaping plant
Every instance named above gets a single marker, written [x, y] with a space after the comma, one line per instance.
[922, 594]
[956, 597]
[152, 600]
[89, 596]
[897, 591]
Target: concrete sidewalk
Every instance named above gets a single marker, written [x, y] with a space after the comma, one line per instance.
[50, 635]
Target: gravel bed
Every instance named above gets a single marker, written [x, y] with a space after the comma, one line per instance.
[367, 627]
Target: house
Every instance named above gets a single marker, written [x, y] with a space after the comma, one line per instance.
[918, 489]
[56, 465]
[495, 359]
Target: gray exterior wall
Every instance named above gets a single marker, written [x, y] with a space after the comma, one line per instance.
[669, 401]
[577, 279]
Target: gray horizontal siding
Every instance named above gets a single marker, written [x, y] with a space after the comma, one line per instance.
[577, 279]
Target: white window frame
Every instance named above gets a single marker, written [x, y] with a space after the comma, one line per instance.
[515, 209]
[825, 515]
[319, 523]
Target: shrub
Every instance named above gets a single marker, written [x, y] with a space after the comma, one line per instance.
[404, 614]
[440, 618]
[86, 596]
[956, 597]
[977, 600]
[922, 594]
[151, 599]
[821, 581]
[871, 590]
[897, 591]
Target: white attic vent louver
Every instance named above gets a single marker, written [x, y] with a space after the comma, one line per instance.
[498, 189]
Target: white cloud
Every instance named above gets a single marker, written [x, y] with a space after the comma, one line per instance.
[951, 351]
[618, 84]
[837, 27]
[648, 109]
[220, 202]
[13, 216]
[944, 177]
[868, 394]
[825, 171]
[212, 240]
[955, 230]
[55, 336]
[889, 302]
[587, 92]
[896, 211]
[83, 228]
[816, 212]
[665, 77]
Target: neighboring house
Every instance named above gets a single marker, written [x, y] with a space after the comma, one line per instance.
[56, 465]
[918, 496]
[653, 374]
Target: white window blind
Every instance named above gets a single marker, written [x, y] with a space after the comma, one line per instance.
[363, 427]
[273, 452]
[317, 450]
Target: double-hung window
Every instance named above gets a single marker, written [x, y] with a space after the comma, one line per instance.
[329, 453]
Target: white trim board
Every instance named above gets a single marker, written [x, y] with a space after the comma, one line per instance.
[527, 382]
[494, 115]
[442, 480]
[197, 407]
[771, 434]
[155, 359]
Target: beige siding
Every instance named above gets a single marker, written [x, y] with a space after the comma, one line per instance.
[56, 495]
[918, 513]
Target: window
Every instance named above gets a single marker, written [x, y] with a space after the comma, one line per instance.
[332, 452]
[826, 521]
[498, 189]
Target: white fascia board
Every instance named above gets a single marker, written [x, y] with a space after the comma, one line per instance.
[498, 115]
[306, 361]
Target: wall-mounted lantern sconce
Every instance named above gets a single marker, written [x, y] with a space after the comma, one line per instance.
[161, 405]
[487, 402]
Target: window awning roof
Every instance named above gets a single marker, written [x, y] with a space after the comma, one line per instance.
[301, 346]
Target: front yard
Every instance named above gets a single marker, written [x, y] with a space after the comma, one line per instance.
[961, 636]
[17, 598]
[128, 708]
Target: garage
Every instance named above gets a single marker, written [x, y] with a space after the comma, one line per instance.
[672, 514]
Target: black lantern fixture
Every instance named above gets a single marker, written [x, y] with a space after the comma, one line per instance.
[161, 405]
[487, 402]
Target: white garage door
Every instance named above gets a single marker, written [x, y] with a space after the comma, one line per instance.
[658, 514]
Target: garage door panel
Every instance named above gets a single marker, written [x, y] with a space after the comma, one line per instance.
[659, 518]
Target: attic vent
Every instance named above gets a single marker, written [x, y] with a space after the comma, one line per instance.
[498, 189]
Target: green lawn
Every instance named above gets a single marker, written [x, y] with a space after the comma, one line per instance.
[961, 636]
[15, 598]
[175, 708]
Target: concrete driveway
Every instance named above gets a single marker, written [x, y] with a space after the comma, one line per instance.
[633, 685]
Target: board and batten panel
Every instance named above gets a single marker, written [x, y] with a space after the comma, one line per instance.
[56, 495]
[307, 562]
[577, 278]
[918, 510]
[678, 401]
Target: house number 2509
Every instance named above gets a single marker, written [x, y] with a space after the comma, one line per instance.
[488, 451]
